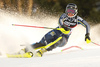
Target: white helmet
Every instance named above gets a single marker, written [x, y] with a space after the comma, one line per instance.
[71, 10]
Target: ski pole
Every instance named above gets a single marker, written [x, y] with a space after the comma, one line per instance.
[95, 43]
[32, 26]
[61, 29]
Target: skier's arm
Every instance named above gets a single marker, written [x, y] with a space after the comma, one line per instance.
[61, 19]
[62, 28]
[87, 38]
[87, 26]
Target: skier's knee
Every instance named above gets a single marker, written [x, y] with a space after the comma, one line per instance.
[36, 45]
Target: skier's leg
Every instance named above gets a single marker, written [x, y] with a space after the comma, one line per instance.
[50, 41]
[47, 42]
[36, 47]
[64, 40]
[48, 47]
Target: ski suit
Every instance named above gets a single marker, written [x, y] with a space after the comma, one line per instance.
[56, 38]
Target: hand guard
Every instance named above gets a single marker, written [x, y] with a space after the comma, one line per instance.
[63, 30]
[87, 38]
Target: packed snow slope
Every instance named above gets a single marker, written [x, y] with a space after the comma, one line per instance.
[11, 37]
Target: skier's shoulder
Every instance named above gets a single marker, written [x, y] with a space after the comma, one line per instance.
[63, 15]
[80, 18]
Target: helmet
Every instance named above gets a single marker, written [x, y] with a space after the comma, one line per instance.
[71, 10]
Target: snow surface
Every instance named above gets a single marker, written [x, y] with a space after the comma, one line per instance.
[11, 37]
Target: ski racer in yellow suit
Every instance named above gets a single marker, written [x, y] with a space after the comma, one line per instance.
[59, 37]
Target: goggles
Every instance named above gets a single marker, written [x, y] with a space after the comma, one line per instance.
[71, 11]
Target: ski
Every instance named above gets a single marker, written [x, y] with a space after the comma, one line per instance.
[25, 55]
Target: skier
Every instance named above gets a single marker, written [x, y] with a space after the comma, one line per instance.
[59, 37]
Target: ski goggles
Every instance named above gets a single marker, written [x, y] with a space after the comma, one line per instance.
[70, 11]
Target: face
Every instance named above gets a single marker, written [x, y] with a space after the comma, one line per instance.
[70, 14]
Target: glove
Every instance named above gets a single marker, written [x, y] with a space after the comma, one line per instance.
[87, 38]
[63, 30]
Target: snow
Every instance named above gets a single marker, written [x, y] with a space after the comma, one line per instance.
[12, 37]
[77, 58]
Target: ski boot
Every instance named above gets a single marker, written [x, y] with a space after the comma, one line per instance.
[40, 52]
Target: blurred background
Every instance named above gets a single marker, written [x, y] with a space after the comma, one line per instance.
[44, 13]
[87, 9]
